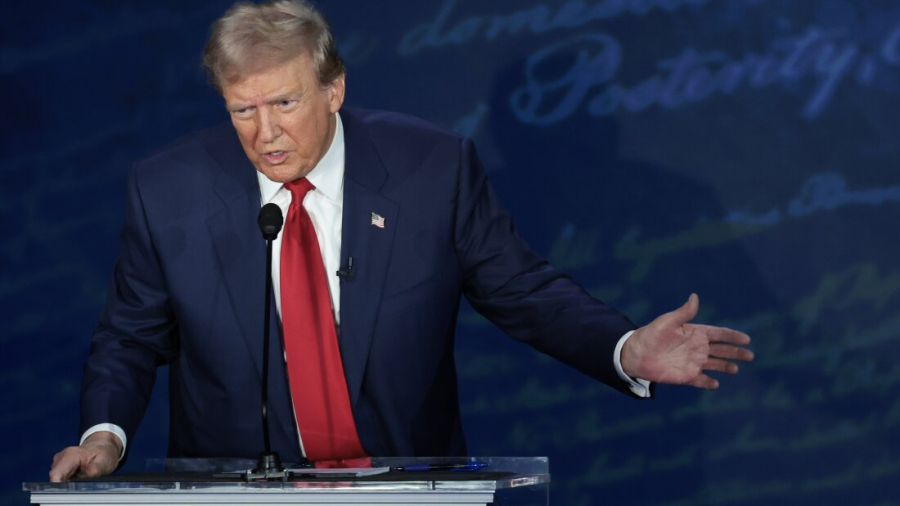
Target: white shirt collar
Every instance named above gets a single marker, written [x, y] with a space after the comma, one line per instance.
[327, 176]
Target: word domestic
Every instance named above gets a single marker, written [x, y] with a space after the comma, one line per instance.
[540, 18]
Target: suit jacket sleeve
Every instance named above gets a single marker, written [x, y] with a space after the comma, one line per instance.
[136, 331]
[520, 292]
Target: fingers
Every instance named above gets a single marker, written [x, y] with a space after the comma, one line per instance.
[723, 335]
[65, 464]
[88, 461]
[705, 382]
[730, 352]
[719, 365]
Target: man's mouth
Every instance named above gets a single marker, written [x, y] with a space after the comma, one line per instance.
[275, 156]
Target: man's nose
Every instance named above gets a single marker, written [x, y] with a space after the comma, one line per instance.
[269, 130]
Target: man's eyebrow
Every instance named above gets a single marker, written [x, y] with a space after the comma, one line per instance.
[296, 94]
[290, 95]
[236, 106]
[287, 95]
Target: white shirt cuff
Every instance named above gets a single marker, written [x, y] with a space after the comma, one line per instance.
[639, 387]
[108, 427]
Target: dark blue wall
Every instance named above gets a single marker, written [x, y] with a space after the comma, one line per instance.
[744, 150]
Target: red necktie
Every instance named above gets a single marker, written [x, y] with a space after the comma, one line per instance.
[315, 370]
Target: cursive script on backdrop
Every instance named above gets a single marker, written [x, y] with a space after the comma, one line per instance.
[825, 57]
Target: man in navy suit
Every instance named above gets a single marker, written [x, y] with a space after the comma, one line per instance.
[407, 201]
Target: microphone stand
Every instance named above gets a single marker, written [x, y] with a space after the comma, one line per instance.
[269, 463]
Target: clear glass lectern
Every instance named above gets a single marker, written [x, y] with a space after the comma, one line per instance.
[510, 481]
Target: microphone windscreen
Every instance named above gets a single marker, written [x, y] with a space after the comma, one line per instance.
[270, 221]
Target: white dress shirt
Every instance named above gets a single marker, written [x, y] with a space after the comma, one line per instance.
[325, 205]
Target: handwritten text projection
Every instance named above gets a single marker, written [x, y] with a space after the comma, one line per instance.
[825, 56]
[816, 57]
[536, 19]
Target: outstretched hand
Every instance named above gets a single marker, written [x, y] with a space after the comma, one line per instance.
[672, 350]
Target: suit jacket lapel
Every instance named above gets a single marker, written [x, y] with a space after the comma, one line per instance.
[368, 245]
[241, 254]
[239, 247]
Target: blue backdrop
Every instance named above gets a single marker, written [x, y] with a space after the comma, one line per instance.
[745, 150]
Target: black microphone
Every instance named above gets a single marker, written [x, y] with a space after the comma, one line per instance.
[270, 222]
[347, 273]
[269, 463]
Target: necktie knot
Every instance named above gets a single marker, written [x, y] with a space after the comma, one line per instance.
[299, 188]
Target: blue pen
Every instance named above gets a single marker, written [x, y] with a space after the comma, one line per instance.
[469, 466]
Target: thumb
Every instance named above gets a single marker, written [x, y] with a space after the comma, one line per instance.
[98, 466]
[102, 460]
[688, 311]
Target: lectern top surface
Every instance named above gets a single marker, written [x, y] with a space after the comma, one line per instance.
[204, 475]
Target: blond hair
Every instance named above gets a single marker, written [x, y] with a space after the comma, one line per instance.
[252, 37]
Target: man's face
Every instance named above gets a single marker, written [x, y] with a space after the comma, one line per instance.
[284, 117]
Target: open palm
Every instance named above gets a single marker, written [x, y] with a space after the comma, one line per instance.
[672, 350]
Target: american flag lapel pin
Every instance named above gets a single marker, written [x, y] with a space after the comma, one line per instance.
[377, 220]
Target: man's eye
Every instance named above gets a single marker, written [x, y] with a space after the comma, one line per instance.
[286, 103]
[242, 113]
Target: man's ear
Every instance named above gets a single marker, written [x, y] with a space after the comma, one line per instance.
[337, 90]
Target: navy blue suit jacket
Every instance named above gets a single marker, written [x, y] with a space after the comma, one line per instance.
[188, 290]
